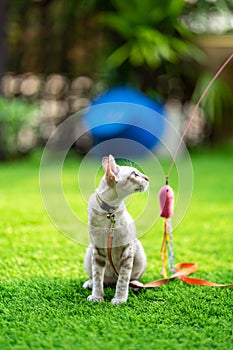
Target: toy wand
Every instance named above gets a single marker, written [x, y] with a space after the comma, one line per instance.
[166, 193]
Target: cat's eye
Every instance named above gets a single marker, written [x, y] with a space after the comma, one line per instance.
[134, 174]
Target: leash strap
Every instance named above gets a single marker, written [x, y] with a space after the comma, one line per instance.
[111, 217]
[192, 267]
[182, 271]
[109, 252]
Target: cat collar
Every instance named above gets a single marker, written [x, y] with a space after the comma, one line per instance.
[105, 206]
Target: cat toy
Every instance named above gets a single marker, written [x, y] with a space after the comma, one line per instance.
[166, 200]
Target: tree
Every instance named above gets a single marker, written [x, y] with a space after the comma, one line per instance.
[3, 37]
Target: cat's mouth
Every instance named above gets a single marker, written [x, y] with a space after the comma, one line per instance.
[140, 188]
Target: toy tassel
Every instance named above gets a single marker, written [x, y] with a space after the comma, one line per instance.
[166, 200]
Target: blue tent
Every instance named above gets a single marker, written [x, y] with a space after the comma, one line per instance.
[124, 120]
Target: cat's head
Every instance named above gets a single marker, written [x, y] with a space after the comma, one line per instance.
[124, 180]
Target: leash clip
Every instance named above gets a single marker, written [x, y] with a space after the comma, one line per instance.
[111, 217]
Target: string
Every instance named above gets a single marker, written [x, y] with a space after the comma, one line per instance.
[194, 112]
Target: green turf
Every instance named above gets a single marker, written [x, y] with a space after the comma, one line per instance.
[43, 304]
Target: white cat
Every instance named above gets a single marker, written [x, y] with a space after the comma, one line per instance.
[127, 252]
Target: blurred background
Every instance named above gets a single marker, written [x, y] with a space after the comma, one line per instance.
[58, 56]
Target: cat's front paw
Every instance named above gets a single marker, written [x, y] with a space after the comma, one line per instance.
[117, 301]
[95, 298]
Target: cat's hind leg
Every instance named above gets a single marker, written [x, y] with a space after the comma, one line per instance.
[88, 266]
[88, 284]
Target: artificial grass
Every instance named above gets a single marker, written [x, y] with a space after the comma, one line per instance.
[43, 304]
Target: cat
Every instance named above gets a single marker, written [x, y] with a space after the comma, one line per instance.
[127, 252]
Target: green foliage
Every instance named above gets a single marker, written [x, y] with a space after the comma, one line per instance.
[218, 97]
[16, 133]
[150, 33]
[43, 304]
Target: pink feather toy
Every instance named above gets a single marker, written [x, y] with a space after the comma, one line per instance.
[166, 194]
[166, 200]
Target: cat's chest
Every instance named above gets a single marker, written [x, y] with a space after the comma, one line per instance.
[100, 220]
[100, 226]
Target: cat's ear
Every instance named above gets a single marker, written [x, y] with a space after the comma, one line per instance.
[110, 168]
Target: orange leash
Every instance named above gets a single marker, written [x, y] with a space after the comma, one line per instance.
[109, 252]
[188, 268]
[182, 272]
